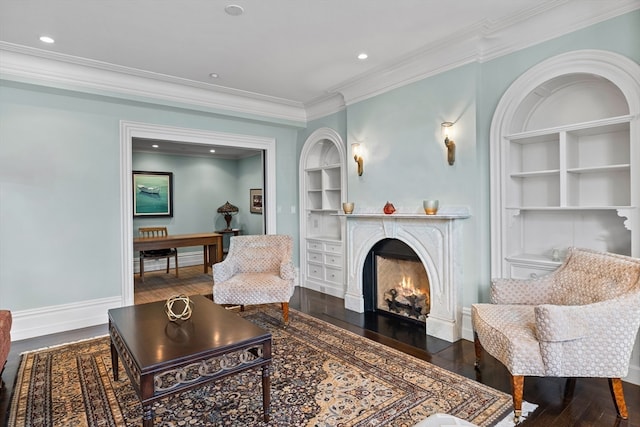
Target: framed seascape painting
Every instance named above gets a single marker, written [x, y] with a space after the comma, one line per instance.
[152, 194]
[255, 200]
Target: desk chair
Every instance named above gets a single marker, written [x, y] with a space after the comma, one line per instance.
[156, 253]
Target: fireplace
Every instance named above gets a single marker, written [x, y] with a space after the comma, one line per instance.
[396, 282]
[435, 240]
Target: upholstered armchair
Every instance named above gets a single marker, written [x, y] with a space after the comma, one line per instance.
[257, 270]
[579, 321]
[5, 338]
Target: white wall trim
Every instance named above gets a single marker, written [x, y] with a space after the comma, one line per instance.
[467, 327]
[484, 42]
[61, 318]
[130, 130]
[75, 73]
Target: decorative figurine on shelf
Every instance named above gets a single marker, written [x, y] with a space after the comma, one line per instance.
[181, 300]
[228, 210]
[389, 208]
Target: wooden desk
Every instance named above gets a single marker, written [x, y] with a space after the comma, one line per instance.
[209, 241]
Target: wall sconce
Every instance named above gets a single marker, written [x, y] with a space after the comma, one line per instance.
[356, 150]
[447, 133]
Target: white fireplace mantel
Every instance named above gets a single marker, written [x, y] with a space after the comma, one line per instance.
[436, 239]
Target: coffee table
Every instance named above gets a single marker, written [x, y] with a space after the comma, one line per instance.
[163, 358]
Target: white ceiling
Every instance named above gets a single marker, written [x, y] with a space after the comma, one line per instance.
[292, 52]
[173, 148]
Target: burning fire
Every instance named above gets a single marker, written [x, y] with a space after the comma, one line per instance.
[406, 286]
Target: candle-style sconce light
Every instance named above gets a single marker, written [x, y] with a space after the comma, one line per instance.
[447, 133]
[356, 150]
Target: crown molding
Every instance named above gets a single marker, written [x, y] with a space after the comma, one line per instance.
[321, 107]
[483, 42]
[34, 65]
[486, 41]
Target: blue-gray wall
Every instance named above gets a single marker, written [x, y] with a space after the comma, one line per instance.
[200, 186]
[405, 157]
[60, 194]
[59, 165]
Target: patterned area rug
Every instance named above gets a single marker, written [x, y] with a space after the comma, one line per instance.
[321, 376]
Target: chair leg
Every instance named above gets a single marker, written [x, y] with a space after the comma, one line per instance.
[615, 385]
[285, 312]
[167, 265]
[569, 389]
[176, 263]
[478, 348]
[142, 269]
[517, 388]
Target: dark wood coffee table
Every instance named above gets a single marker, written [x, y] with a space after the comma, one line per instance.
[163, 357]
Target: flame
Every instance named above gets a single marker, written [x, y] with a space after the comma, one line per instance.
[406, 286]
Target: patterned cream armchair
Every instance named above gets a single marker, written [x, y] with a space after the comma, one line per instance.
[579, 321]
[257, 270]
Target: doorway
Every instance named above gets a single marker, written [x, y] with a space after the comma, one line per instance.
[131, 130]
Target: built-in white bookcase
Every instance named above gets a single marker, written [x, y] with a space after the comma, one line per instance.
[564, 169]
[322, 192]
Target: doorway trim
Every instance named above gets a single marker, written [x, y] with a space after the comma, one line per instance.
[130, 130]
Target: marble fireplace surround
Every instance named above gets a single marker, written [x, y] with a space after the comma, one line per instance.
[436, 239]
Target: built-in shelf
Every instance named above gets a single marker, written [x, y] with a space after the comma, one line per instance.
[565, 172]
[322, 192]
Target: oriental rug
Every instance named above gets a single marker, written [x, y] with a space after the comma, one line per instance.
[322, 375]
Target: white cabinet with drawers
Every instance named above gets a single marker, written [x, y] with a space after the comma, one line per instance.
[324, 267]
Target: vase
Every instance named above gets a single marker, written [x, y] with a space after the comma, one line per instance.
[389, 208]
[348, 207]
[430, 206]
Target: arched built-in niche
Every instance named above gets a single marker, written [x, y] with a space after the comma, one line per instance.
[323, 184]
[564, 162]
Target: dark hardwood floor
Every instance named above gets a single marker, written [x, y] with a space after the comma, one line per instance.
[590, 403]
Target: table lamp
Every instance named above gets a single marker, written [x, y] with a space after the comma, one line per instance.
[228, 210]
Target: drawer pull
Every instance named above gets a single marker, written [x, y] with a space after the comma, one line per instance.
[534, 275]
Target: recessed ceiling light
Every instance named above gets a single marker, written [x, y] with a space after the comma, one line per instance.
[362, 56]
[155, 145]
[234, 10]
[47, 39]
[214, 75]
[212, 151]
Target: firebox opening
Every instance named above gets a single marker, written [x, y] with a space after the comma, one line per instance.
[396, 282]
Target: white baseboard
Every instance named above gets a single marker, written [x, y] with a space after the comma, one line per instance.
[335, 291]
[467, 328]
[61, 318]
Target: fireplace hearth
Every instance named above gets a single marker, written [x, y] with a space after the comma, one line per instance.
[437, 243]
